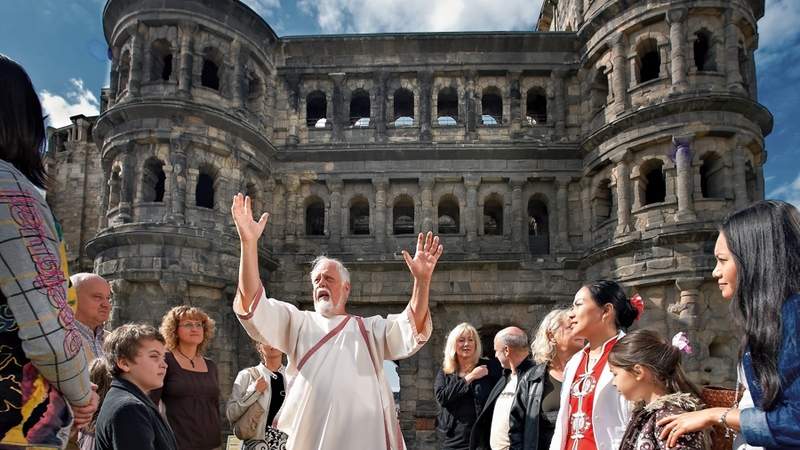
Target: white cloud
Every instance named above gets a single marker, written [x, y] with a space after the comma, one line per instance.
[789, 192]
[380, 16]
[778, 31]
[263, 7]
[79, 100]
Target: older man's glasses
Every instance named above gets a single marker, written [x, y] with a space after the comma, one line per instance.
[190, 325]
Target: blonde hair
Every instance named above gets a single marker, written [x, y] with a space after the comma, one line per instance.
[542, 348]
[171, 320]
[450, 363]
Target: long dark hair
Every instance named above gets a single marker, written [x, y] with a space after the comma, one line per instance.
[22, 133]
[607, 291]
[764, 241]
[648, 349]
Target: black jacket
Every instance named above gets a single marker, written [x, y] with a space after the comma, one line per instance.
[128, 419]
[459, 404]
[524, 421]
[479, 438]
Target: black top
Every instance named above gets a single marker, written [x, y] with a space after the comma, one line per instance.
[551, 402]
[128, 419]
[278, 391]
[460, 404]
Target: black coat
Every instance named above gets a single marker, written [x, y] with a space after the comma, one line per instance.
[479, 438]
[524, 421]
[128, 419]
[460, 403]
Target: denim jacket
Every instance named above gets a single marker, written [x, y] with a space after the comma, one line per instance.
[778, 427]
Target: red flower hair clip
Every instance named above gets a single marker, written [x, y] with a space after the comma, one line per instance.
[638, 305]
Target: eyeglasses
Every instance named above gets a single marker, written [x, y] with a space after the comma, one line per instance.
[190, 325]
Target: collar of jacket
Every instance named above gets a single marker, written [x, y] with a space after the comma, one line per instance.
[522, 368]
[125, 385]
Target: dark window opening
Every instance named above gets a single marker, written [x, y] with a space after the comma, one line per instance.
[124, 72]
[600, 90]
[315, 218]
[493, 216]
[602, 202]
[538, 227]
[447, 106]
[359, 108]
[403, 103]
[649, 61]
[448, 216]
[316, 109]
[704, 51]
[492, 106]
[153, 181]
[359, 217]
[536, 106]
[655, 188]
[210, 74]
[403, 216]
[712, 177]
[204, 193]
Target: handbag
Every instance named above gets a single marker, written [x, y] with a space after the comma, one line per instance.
[247, 426]
[716, 396]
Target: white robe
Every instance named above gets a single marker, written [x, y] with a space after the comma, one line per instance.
[340, 398]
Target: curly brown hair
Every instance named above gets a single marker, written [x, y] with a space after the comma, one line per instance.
[171, 320]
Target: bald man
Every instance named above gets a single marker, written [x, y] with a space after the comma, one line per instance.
[491, 428]
[94, 307]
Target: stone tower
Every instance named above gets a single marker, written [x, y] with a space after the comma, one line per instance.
[608, 144]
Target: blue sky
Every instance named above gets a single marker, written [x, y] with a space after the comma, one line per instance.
[61, 44]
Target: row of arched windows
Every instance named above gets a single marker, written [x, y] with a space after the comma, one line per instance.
[447, 106]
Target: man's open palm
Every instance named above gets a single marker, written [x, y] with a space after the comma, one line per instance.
[424, 261]
[242, 211]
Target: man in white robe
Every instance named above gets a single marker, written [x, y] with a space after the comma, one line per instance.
[338, 396]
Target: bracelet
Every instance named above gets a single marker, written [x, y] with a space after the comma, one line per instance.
[729, 432]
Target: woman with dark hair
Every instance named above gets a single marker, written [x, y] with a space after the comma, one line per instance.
[593, 414]
[758, 270]
[39, 343]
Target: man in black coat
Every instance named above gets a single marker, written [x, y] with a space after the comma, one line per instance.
[128, 419]
[491, 429]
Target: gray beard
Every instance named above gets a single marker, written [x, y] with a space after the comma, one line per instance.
[325, 308]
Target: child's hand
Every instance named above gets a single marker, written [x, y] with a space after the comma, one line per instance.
[249, 230]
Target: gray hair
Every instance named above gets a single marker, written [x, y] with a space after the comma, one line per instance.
[80, 278]
[542, 348]
[344, 274]
[513, 339]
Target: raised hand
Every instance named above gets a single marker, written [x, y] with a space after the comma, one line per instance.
[242, 211]
[424, 261]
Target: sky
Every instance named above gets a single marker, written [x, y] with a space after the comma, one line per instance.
[61, 45]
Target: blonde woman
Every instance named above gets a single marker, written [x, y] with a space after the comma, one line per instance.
[536, 404]
[191, 387]
[462, 387]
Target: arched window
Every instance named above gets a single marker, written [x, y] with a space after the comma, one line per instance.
[315, 218]
[493, 215]
[204, 191]
[210, 75]
[124, 71]
[447, 106]
[648, 60]
[745, 67]
[403, 107]
[114, 185]
[153, 179]
[491, 106]
[712, 176]
[316, 109]
[160, 60]
[704, 58]
[653, 182]
[602, 203]
[538, 227]
[599, 90]
[359, 216]
[359, 108]
[448, 214]
[255, 89]
[403, 215]
[536, 106]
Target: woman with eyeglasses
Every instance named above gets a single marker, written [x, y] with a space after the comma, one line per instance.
[191, 386]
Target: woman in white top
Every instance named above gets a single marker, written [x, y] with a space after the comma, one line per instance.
[593, 414]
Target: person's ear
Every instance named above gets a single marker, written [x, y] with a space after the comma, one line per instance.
[124, 365]
[638, 372]
[346, 290]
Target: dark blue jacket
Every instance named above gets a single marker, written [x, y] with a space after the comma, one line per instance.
[780, 426]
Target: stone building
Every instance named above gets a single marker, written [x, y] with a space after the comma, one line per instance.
[607, 144]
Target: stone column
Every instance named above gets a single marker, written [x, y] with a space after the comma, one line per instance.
[622, 177]
[687, 308]
[335, 186]
[292, 183]
[425, 79]
[380, 106]
[337, 99]
[471, 212]
[518, 225]
[676, 18]
[293, 91]
[102, 221]
[236, 81]
[137, 58]
[559, 109]
[426, 187]
[380, 184]
[269, 203]
[515, 99]
[113, 81]
[586, 210]
[685, 178]
[177, 180]
[470, 105]
[562, 202]
[185, 70]
[619, 73]
[126, 186]
[741, 199]
[732, 69]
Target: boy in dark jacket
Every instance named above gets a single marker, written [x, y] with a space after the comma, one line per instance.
[128, 418]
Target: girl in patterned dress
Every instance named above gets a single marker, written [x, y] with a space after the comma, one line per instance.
[647, 371]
